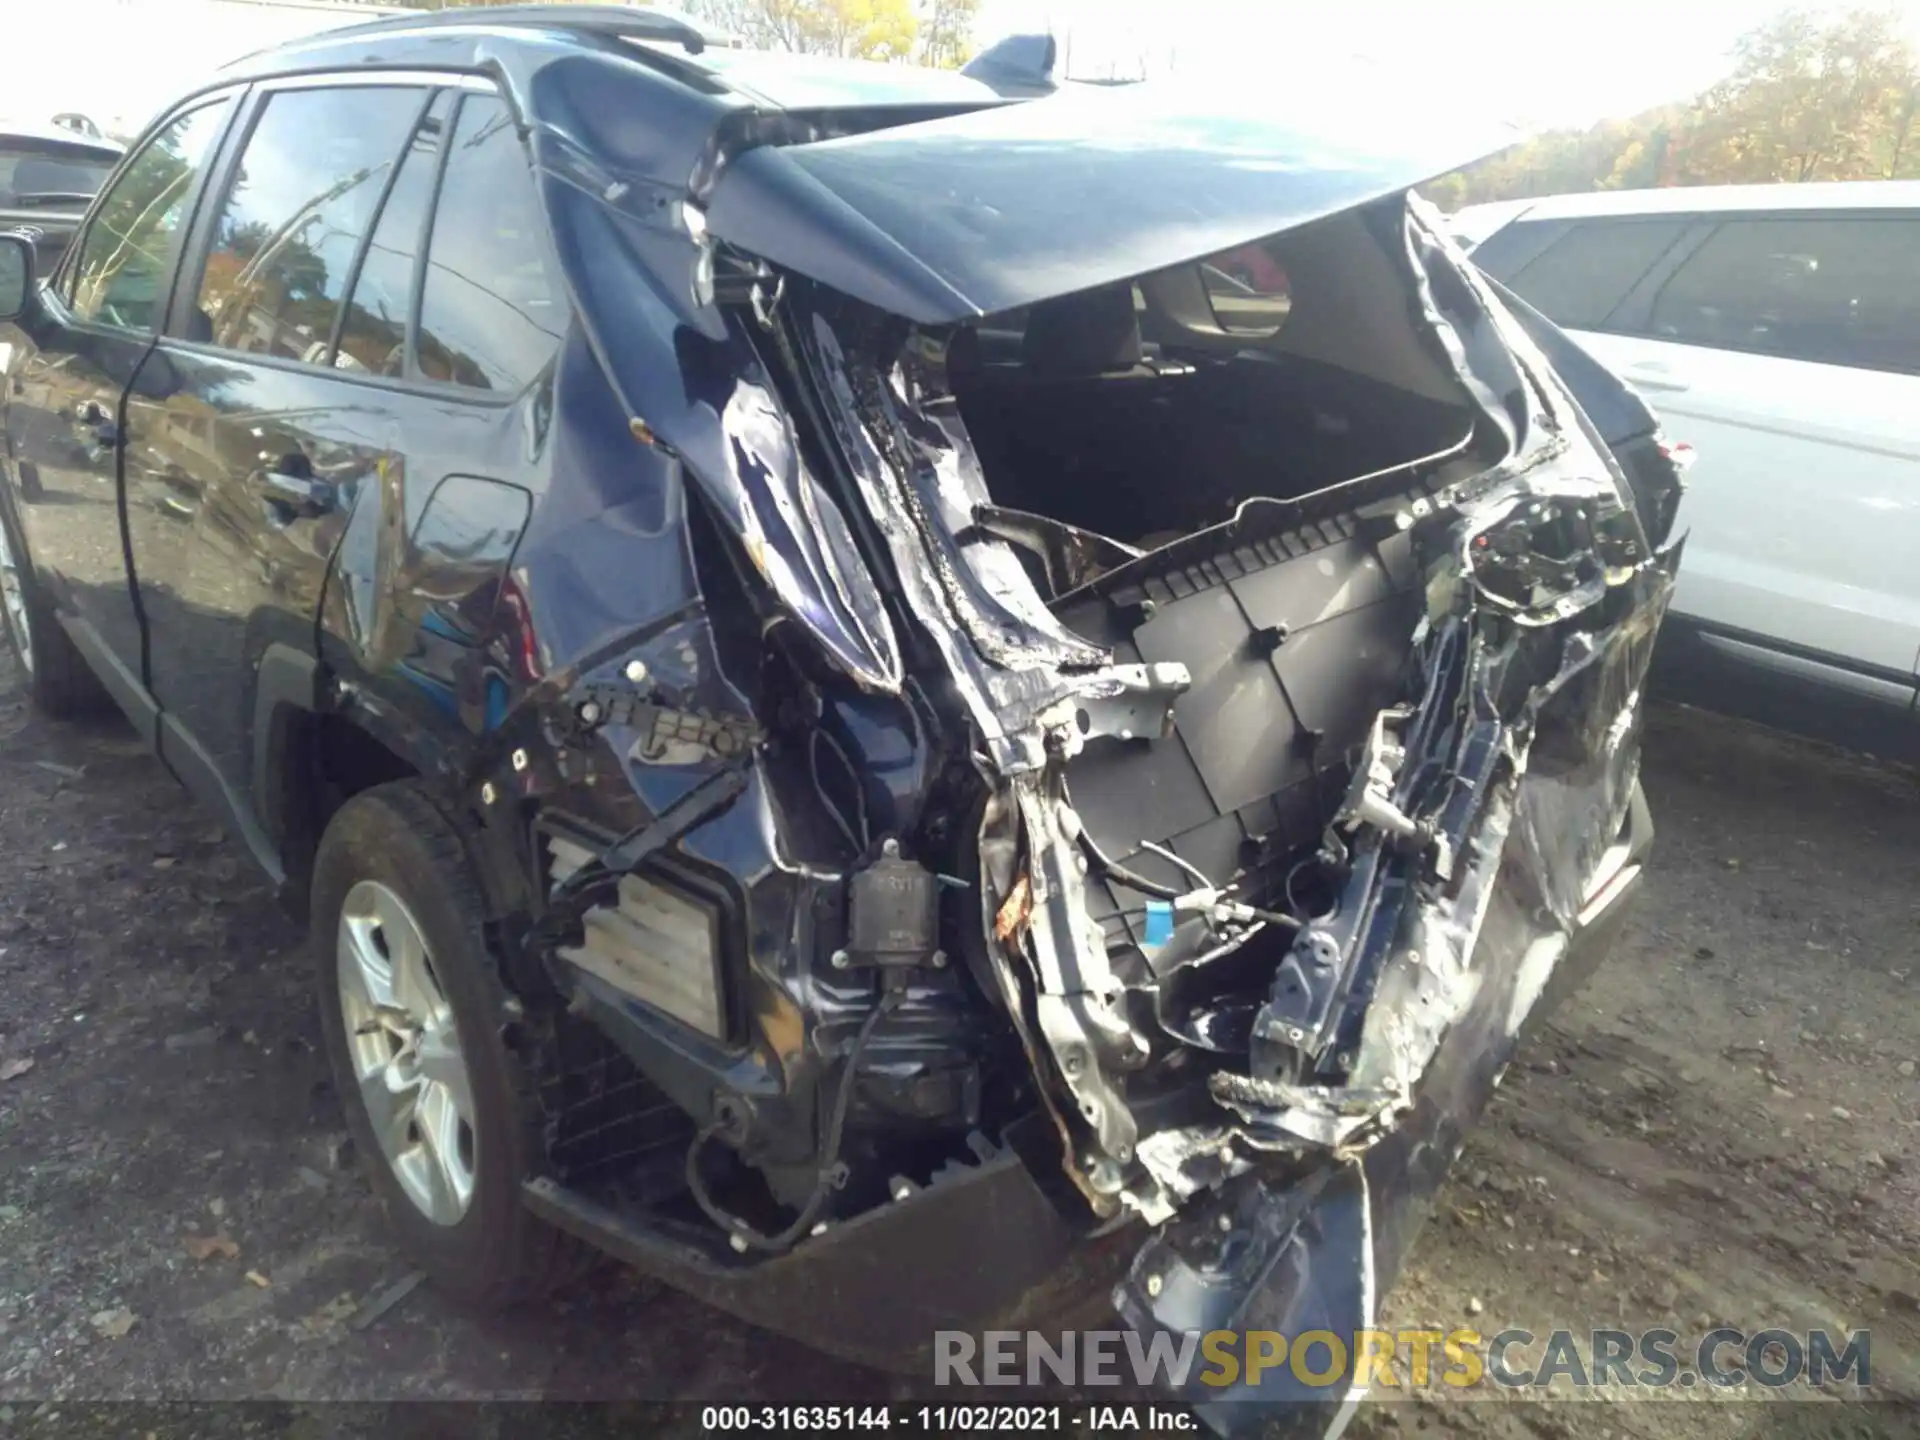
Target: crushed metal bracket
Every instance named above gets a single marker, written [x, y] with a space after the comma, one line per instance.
[1125, 702]
[1077, 996]
[668, 736]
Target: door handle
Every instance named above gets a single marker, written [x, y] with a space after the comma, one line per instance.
[1655, 375]
[296, 494]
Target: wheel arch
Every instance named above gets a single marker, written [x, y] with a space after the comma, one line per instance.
[315, 748]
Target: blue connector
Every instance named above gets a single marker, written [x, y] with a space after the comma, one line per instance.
[1159, 926]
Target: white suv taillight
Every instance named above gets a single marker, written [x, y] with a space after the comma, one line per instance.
[1680, 453]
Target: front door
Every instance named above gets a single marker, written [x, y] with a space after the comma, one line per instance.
[88, 336]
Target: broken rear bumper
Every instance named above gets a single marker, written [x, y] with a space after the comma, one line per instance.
[1319, 1253]
[1314, 1255]
[981, 1248]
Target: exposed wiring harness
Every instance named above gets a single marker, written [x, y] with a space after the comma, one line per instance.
[1113, 870]
[1206, 880]
[1208, 899]
[864, 841]
[743, 1235]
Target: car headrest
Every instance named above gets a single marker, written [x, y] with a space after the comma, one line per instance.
[1085, 334]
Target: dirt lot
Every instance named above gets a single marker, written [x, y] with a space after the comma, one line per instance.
[1723, 1129]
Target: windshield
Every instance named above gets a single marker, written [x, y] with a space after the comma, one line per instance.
[29, 168]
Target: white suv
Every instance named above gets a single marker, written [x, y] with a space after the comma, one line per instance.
[1777, 329]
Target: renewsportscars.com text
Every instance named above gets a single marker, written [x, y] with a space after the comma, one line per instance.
[1416, 1359]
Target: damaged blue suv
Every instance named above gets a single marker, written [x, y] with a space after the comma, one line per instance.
[911, 703]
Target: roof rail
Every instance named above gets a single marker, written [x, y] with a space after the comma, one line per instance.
[622, 22]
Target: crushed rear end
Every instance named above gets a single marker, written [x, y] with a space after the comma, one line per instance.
[1275, 648]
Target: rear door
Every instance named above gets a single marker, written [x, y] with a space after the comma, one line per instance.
[354, 392]
[86, 338]
[1787, 349]
[259, 418]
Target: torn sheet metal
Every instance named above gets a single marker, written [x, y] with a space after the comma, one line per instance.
[1494, 829]
[1491, 813]
[1544, 602]
[1315, 1243]
[1535, 572]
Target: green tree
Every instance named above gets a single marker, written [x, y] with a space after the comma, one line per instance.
[1902, 159]
[946, 32]
[1811, 96]
[1807, 100]
[860, 29]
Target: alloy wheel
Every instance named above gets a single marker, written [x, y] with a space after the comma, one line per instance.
[412, 1074]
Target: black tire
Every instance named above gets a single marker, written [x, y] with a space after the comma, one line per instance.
[496, 1254]
[60, 683]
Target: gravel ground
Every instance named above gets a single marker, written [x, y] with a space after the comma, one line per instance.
[1721, 1129]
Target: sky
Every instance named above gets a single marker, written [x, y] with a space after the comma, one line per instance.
[1538, 62]
[120, 60]
[1541, 62]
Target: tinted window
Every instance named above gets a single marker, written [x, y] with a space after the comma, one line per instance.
[374, 335]
[1586, 272]
[309, 180]
[1248, 289]
[1505, 252]
[31, 174]
[122, 265]
[491, 313]
[1841, 291]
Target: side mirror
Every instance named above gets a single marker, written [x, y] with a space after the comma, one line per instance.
[16, 274]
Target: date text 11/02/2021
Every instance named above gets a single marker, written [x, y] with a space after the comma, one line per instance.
[946, 1419]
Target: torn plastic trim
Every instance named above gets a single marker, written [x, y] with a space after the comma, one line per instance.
[1365, 995]
[1292, 1259]
[1072, 556]
[1380, 982]
[1278, 1249]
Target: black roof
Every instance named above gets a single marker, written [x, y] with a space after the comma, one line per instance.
[669, 46]
[620, 22]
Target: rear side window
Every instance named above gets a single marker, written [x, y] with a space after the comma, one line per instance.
[1579, 279]
[308, 185]
[491, 313]
[1835, 290]
[373, 337]
[33, 175]
[120, 273]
